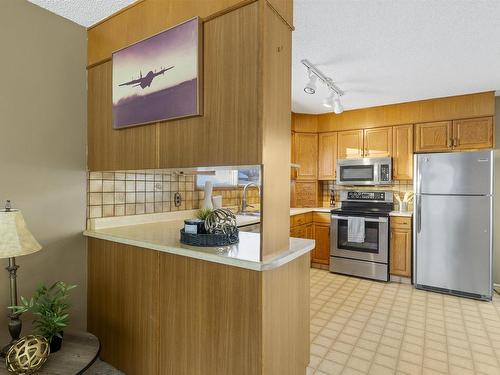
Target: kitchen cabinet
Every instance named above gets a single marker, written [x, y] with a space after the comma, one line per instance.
[433, 136]
[370, 143]
[475, 133]
[321, 253]
[377, 142]
[350, 144]
[305, 154]
[327, 156]
[459, 135]
[304, 194]
[401, 246]
[402, 152]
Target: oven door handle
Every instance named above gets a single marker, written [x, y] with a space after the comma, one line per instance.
[379, 220]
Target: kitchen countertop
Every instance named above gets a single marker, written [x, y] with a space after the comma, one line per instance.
[161, 232]
[401, 213]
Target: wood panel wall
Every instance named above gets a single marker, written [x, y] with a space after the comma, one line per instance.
[276, 138]
[162, 314]
[453, 107]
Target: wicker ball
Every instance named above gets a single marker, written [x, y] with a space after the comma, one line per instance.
[27, 355]
[220, 221]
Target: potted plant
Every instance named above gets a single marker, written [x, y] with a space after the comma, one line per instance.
[51, 311]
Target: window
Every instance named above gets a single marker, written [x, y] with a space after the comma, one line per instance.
[230, 177]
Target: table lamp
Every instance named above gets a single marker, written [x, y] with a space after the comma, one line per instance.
[15, 240]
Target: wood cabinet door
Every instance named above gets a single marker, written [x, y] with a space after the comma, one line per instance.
[310, 231]
[433, 136]
[400, 257]
[304, 194]
[473, 133]
[402, 152]
[306, 155]
[350, 144]
[327, 156]
[377, 142]
[321, 253]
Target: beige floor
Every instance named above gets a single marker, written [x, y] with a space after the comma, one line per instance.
[365, 327]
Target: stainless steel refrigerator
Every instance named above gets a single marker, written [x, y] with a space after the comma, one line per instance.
[453, 223]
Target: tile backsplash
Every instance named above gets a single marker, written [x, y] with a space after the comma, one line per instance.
[397, 187]
[140, 192]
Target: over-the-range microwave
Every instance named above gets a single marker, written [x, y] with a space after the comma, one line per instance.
[364, 171]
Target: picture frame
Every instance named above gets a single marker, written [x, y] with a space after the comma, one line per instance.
[172, 87]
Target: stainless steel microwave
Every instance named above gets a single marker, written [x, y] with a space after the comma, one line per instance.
[365, 171]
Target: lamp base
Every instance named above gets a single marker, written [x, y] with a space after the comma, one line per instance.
[15, 324]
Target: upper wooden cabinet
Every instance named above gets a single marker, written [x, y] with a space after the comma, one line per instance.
[306, 154]
[327, 156]
[402, 152]
[473, 133]
[350, 144]
[377, 142]
[467, 134]
[433, 136]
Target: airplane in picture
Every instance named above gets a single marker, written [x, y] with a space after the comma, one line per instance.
[145, 81]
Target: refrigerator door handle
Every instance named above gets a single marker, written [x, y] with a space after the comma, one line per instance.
[419, 214]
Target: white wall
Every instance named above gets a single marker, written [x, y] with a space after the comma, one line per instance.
[43, 147]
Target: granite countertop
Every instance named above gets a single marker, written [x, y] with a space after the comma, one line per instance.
[161, 232]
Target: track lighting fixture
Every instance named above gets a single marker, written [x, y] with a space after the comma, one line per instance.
[310, 87]
[333, 98]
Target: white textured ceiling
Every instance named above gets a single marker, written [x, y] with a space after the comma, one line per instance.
[377, 51]
[391, 51]
[83, 12]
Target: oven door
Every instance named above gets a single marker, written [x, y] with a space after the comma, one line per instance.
[357, 174]
[375, 248]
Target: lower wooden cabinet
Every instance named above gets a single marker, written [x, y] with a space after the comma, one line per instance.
[315, 226]
[321, 253]
[401, 246]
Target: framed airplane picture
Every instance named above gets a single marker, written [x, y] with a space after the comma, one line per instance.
[159, 78]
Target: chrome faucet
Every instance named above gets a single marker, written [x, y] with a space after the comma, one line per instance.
[244, 204]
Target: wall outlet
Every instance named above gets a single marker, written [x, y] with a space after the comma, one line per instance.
[177, 199]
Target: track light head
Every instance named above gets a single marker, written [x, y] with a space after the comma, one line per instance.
[337, 105]
[310, 87]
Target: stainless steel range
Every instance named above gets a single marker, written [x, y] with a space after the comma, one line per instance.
[360, 234]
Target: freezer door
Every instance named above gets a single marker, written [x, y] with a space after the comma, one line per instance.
[468, 173]
[453, 243]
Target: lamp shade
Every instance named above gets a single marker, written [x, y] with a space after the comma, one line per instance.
[15, 238]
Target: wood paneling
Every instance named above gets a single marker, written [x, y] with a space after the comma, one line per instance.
[327, 156]
[432, 110]
[285, 10]
[306, 155]
[210, 318]
[276, 110]
[402, 152]
[162, 314]
[400, 249]
[304, 123]
[433, 136]
[229, 131]
[350, 144]
[285, 324]
[473, 133]
[122, 305]
[109, 149]
[321, 253]
[377, 142]
[147, 18]
[305, 194]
